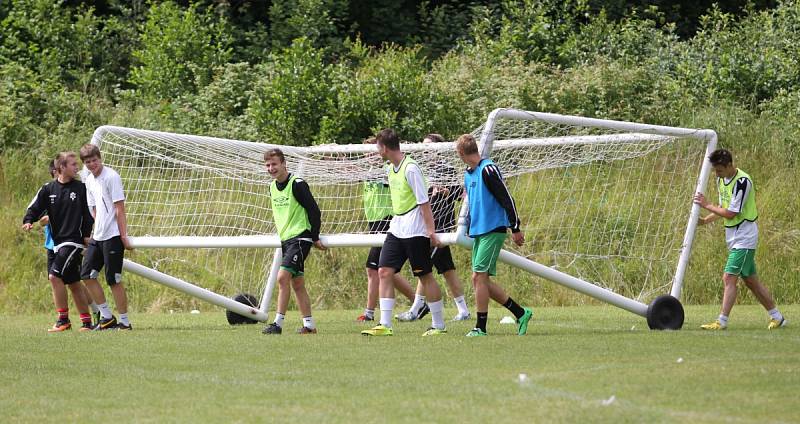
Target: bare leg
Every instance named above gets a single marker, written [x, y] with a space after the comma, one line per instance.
[432, 291]
[373, 285]
[760, 291]
[284, 279]
[480, 282]
[59, 292]
[86, 293]
[403, 286]
[387, 282]
[453, 283]
[303, 301]
[79, 297]
[729, 294]
[95, 291]
[120, 297]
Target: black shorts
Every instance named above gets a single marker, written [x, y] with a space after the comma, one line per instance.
[295, 252]
[442, 259]
[108, 253]
[66, 264]
[377, 227]
[416, 250]
[51, 256]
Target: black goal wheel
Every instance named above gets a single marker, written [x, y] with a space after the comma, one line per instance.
[665, 313]
[236, 319]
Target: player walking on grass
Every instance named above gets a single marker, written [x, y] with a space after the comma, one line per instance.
[297, 219]
[378, 211]
[491, 213]
[737, 198]
[64, 202]
[109, 239]
[443, 200]
[411, 235]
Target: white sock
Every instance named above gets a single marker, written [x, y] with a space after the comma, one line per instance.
[123, 318]
[387, 306]
[437, 314]
[105, 311]
[723, 320]
[775, 314]
[369, 313]
[418, 302]
[309, 322]
[94, 308]
[279, 319]
[461, 304]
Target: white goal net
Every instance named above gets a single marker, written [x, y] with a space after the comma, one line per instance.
[605, 202]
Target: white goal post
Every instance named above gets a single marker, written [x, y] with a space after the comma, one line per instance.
[606, 205]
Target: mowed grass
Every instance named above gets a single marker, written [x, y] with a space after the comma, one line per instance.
[583, 364]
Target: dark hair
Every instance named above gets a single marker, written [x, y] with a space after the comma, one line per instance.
[275, 152]
[88, 150]
[52, 167]
[436, 138]
[370, 140]
[388, 138]
[720, 157]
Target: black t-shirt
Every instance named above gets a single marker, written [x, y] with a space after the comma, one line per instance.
[444, 200]
[66, 206]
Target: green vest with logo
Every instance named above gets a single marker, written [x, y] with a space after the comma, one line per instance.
[748, 211]
[291, 219]
[403, 199]
[377, 201]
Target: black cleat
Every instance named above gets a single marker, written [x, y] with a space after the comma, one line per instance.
[106, 324]
[423, 311]
[272, 329]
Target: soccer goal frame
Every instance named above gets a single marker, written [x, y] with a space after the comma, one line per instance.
[664, 312]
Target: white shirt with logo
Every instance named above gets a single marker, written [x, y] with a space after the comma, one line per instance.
[411, 224]
[102, 192]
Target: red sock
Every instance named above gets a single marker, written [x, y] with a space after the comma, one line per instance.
[86, 318]
[63, 313]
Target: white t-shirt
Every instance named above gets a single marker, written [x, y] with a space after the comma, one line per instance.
[102, 192]
[411, 224]
[745, 235]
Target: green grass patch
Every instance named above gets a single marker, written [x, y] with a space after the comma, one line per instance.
[583, 364]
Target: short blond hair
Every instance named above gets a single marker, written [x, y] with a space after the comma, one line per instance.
[466, 144]
[274, 153]
[61, 159]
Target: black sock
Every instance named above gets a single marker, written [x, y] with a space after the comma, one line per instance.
[514, 308]
[482, 318]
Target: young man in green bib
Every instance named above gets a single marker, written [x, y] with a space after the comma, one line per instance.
[297, 220]
[491, 213]
[737, 198]
[411, 235]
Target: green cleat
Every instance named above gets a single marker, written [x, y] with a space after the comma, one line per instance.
[378, 330]
[434, 332]
[522, 322]
[477, 332]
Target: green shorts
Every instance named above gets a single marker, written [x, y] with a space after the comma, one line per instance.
[485, 252]
[741, 262]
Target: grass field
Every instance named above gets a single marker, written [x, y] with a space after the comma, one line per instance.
[583, 364]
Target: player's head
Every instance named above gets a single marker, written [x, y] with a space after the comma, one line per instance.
[388, 141]
[52, 168]
[90, 156]
[433, 138]
[722, 161]
[466, 146]
[275, 162]
[67, 165]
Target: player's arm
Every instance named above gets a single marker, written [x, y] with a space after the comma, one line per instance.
[417, 184]
[35, 209]
[717, 211]
[302, 193]
[494, 183]
[122, 223]
[87, 220]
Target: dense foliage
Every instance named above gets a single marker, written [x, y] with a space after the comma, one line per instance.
[318, 71]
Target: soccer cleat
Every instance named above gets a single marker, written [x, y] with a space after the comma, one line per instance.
[306, 330]
[774, 324]
[423, 311]
[106, 324]
[409, 316]
[522, 322]
[434, 332]
[59, 326]
[86, 326]
[714, 326]
[378, 330]
[272, 328]
[364, 318]
[461, 317]
[476, 332]
[123, 327]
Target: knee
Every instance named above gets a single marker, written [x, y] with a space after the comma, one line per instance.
[283, 282]
[730, 280]
[385, 273]
[297, 284]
